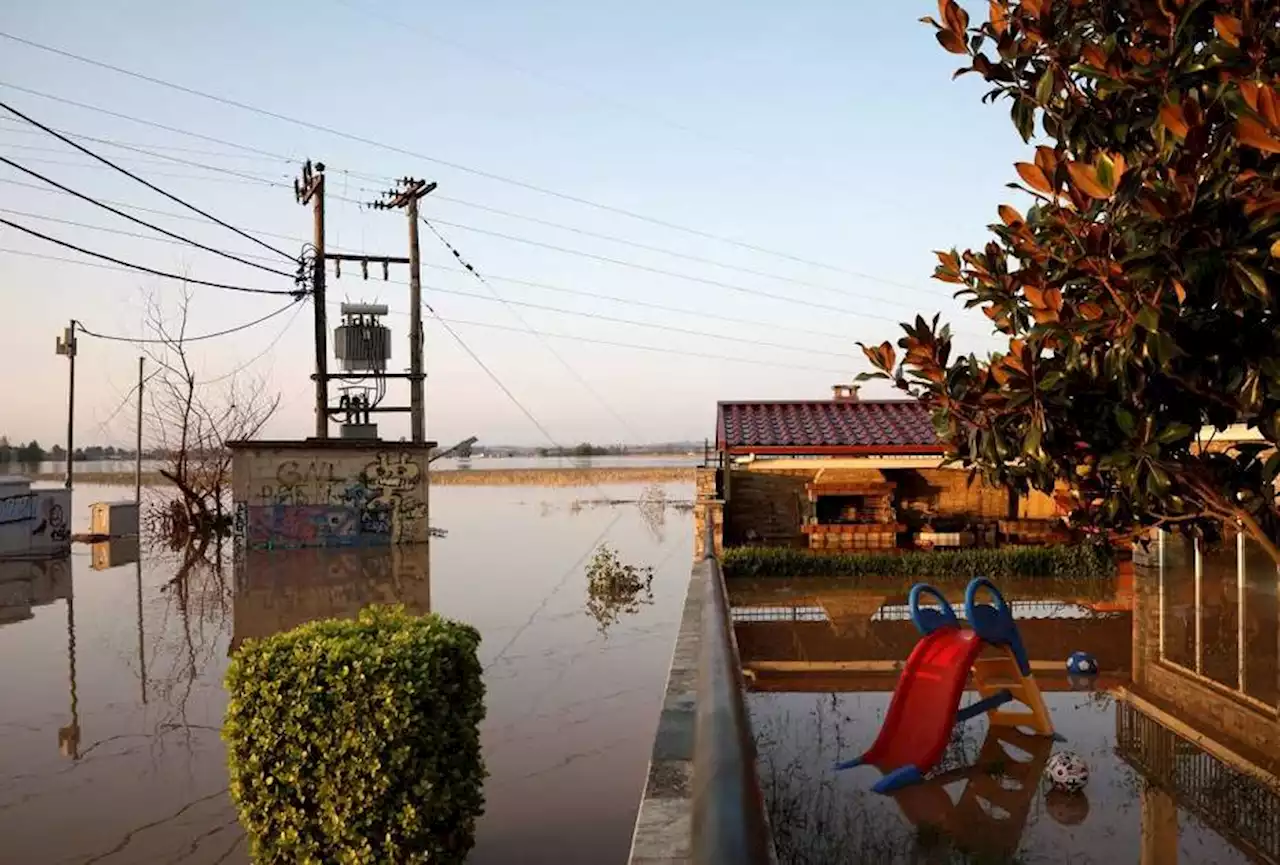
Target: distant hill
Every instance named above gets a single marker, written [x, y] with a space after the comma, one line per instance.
[497, 450]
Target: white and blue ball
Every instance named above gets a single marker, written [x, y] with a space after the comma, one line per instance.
[1082, 664]
[1067, 771]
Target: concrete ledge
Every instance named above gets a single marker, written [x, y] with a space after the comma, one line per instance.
[664, 824]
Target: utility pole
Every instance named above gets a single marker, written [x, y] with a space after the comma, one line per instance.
[310, 190]
[137, 457]
[406, 194]
[67, 346]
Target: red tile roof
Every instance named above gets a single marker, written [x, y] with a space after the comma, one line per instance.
[831, 427]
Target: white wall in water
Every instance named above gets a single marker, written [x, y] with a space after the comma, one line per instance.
[34, 524]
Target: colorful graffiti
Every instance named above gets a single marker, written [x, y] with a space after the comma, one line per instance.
[319, 502]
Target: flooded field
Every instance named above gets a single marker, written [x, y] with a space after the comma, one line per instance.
[1180, 730]
[109, 727]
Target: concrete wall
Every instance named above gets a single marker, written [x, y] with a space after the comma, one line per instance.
[333, 493]
[277, 590]
[28, 584]
[34, 524]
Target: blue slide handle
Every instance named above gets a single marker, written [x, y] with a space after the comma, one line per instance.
[994, 622]
[929, 619]
[971, 597]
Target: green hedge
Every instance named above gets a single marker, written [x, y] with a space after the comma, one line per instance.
[358, 741]
[1076, 560]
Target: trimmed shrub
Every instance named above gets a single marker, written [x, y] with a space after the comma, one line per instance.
[358, 741]
[1075, 560]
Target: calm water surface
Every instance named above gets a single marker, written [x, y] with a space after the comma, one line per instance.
[1181, 731]
[109, 743]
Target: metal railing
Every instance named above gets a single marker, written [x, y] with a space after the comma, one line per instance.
[729, 822]
[1239, 807]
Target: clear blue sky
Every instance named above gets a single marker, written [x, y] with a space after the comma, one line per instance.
[829, 131]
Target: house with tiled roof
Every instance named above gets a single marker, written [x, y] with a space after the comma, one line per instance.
[856, 474]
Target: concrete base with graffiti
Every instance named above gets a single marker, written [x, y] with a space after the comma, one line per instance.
[34, 524]
[335, 493]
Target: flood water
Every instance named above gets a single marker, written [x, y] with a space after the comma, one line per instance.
[112, 675]
[1180, 731]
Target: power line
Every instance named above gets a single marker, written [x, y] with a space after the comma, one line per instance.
[227, 255]
[158, 159]
[169, 213]
[126, 172]
[138, 267]
[14, 127]
[664, 250]
[809, 332]
[238, 177]
[627, 321]
[204, 336]
[547, 345]
[297, 307]
[91, 227]
[306, 124]
[729, 286]
[487, 208]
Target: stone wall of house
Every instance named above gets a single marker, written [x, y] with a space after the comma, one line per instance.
[769, 506]
[330, 493]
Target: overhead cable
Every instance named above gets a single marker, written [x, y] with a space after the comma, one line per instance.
[107, 207]
[143, 269]
[126, 172]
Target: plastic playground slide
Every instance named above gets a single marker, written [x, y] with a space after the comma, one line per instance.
[926, 703]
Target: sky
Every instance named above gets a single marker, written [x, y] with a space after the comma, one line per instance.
[773, 178]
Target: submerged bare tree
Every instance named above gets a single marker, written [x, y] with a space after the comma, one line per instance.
[190, 421]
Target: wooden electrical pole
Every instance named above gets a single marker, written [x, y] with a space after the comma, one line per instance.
[310, 190]
[406, 194]
[67, 346]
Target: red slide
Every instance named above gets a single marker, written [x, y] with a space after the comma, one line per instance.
[923, 710]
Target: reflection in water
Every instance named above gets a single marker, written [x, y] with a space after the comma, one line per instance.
[1181, 732]
[126, 679]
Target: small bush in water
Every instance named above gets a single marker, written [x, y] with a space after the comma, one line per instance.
[358, 741]
[1075, 560]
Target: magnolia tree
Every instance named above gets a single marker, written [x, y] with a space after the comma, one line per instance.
[1137, 293]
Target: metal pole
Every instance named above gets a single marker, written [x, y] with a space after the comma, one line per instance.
[137, 457]
[417, 404]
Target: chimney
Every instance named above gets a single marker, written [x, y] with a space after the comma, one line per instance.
[844, 392]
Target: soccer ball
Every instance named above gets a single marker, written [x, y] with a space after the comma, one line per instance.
[1082, 664]
[1067, 771]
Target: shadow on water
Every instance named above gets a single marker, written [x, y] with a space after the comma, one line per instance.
[1181, 729]
[112, 670]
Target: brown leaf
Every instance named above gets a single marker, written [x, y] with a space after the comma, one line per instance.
[1089, 311]
[1140, 55]
[949, 260]
[1180, 290]
[1085, 178]
[1092, 56]
[999, 16]
[1033, 8]
[1053, 299]
[1172, 118]
[1229, 28]
[1034, 177]
[1254, 134]
[1249, 90]
[1046, 160]
[950, 41]
[1010, 216]
[1035, 296]
[955, 18]
[1267, 105]
[1275, 249]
